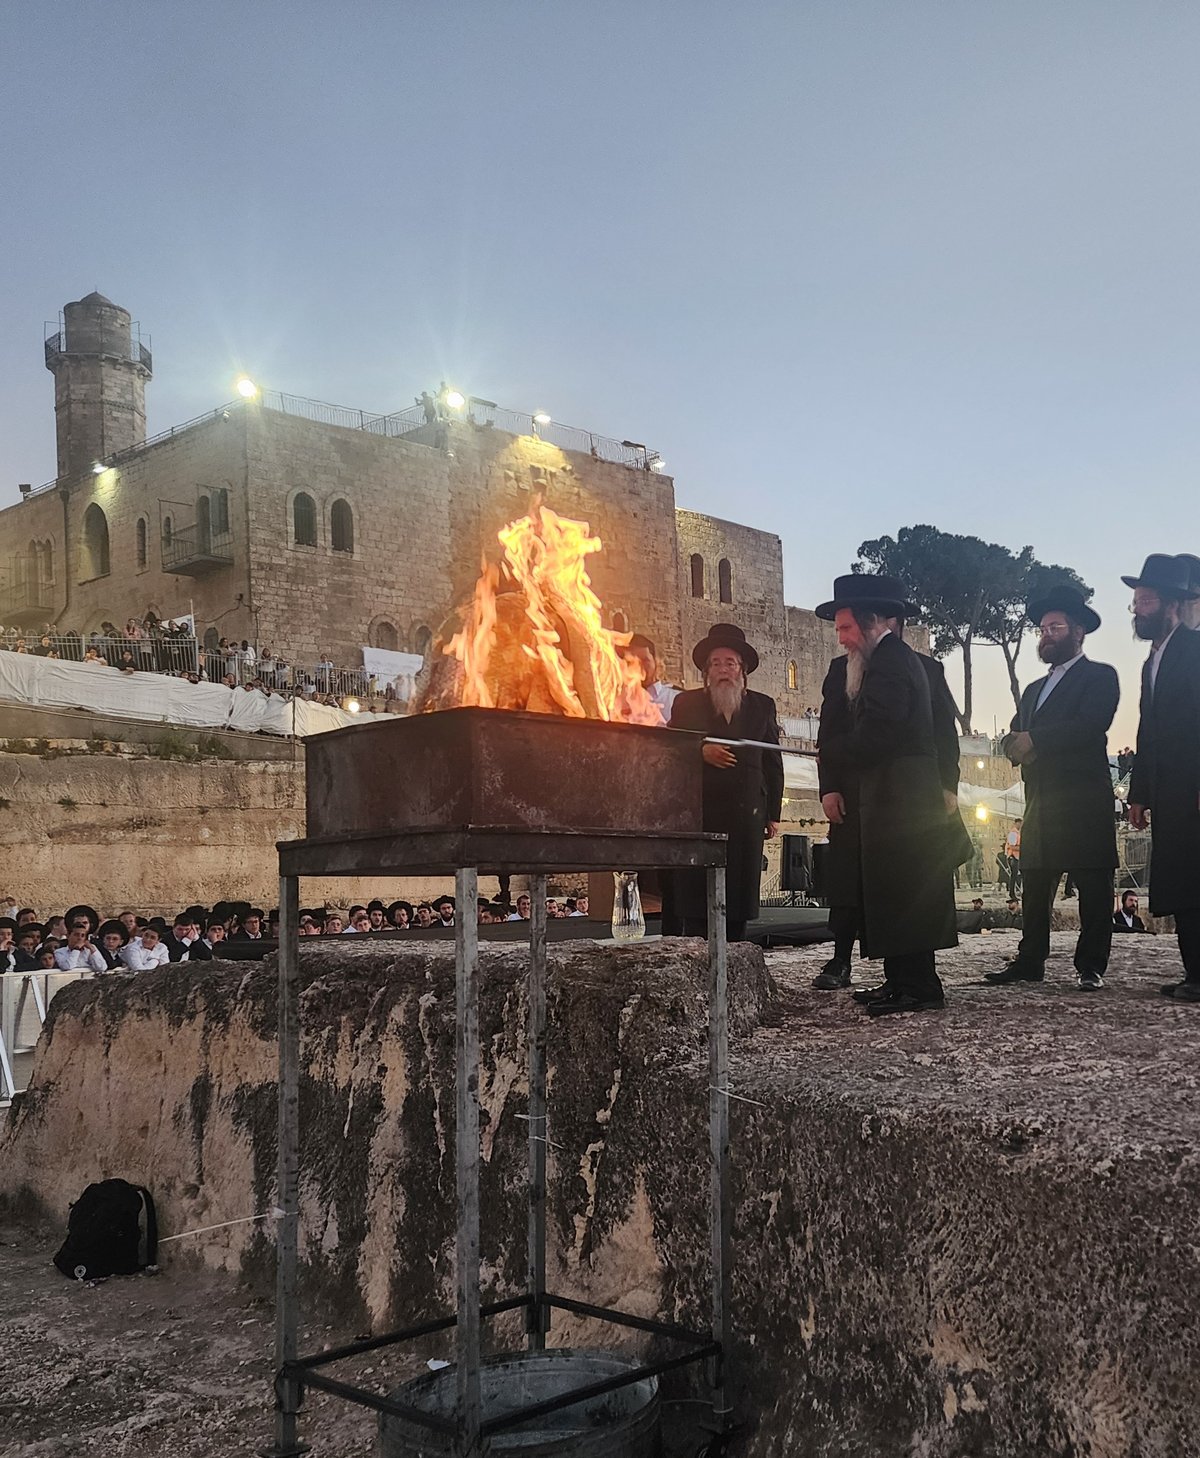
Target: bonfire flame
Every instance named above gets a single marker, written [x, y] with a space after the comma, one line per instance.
[533, 637]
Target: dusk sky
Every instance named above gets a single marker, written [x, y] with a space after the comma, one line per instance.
[847, 266]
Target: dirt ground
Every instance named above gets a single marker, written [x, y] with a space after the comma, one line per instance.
[176, 1364]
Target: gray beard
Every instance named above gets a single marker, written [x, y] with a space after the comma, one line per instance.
[856, 667]
[726, 698]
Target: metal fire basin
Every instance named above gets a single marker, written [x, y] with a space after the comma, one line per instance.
[474, 767]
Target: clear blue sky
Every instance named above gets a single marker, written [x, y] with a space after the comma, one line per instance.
[847, 266]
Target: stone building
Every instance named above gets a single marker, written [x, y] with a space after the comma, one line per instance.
[312, 528]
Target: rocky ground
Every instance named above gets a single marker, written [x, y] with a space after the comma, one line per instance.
[179, 1363]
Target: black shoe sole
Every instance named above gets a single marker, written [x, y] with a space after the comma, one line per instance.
[885, 1008]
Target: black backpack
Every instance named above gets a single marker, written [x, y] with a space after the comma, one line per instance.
[104, 1231]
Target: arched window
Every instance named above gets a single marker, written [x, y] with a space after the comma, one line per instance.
[211, 639]
[422, 639]
[620, 623]
[725, 579]
[168, 531]
[697, 575]
[793, 675]
[384, 635]
[47, 563]
[304, 520]
[341, 527]
[204, 524]
[220, 511]
[141, 542]
[95, 544]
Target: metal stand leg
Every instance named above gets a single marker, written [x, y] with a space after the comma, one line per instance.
[466, 986]
[538, 1313]
[287, 1389]
[718, 1113]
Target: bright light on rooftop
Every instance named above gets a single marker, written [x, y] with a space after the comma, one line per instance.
[981, 812]
[352, 706]
[455, 399]
[98, 468]
[246, 388]
[541, 417]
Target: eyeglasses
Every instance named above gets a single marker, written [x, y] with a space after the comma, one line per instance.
[1055, 630]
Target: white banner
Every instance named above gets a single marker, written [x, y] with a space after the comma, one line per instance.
[387, 666]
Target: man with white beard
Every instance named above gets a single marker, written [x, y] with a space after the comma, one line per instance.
[838, 777]
[743, 787]
[891, 822]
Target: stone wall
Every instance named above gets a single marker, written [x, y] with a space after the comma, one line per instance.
[947, 1239]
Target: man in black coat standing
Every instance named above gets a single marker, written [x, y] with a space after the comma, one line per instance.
[1059, 737]
[743, 785]
[837, 775]
[897, 817]
[1164, 790]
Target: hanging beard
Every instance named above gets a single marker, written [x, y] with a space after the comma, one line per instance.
[726, 698]
[856, 667]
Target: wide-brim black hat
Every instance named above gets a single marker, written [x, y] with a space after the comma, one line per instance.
[1191, 565]
[856, 589]
[89, 911]
[391, 911]
[10, 922]
[1067, 600]
[114, 926]
[725, 635]
[1165, 575]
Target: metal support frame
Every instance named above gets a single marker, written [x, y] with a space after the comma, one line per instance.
[471, 1431]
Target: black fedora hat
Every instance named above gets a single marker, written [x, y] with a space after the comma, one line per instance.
[725, 635]
[1067, 600]
[113, 926]
[858, 588]
[90, 912]
[1165, 575]
[1191, 565]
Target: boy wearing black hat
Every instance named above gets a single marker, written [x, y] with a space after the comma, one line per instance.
[1164, 789]
[1059, 738]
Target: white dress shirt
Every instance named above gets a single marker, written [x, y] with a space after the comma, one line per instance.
[70, 959]
[144, 959]
[664, 695]
[1156, 658]
[1057, 674]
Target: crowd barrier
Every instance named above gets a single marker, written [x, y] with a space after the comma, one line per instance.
[24, 998]
[56, 684]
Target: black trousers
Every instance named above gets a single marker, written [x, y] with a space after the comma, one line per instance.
[843, 923]
[914, 973]
[1013, 872]
[1095, 918]
[1187, 929]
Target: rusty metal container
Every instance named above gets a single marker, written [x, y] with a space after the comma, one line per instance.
[495, 767]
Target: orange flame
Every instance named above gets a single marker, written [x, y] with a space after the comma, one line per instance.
[545, 559]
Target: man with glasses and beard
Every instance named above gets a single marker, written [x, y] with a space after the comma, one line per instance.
[897, 821]
[837, 777]
[1164, 789]
[1059, 738]
[742, 786]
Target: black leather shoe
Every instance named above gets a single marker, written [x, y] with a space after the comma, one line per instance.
[1014, 972]
[834, 974]
[872, 994]
[901, 1002]
[1090, 980]
[1183, 991]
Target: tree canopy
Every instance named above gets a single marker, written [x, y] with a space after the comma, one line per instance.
[967, 591]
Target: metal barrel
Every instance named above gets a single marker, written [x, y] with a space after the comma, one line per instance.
[623, 1423]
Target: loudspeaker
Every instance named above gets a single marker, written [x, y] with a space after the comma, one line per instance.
[795, 868]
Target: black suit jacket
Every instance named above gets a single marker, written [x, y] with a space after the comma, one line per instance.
[1166, 773]
[1069, 821]
[1119, 924]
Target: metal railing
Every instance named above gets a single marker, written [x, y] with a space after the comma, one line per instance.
[56, 348]
[397, 424]
[192, 544]
[28, 596]
[170, 653]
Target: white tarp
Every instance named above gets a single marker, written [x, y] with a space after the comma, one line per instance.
[388, 666]
[998, 802]
[59, 684]
[799, 772]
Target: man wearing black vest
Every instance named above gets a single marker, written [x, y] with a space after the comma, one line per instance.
[1059, 738]
[1164, 790]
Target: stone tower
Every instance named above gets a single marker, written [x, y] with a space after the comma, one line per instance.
[100, 373]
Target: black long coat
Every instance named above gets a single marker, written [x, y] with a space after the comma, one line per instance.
[738, 802]
[906, 892]
[1166, 774]
[1069, 823]
[838, 774]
